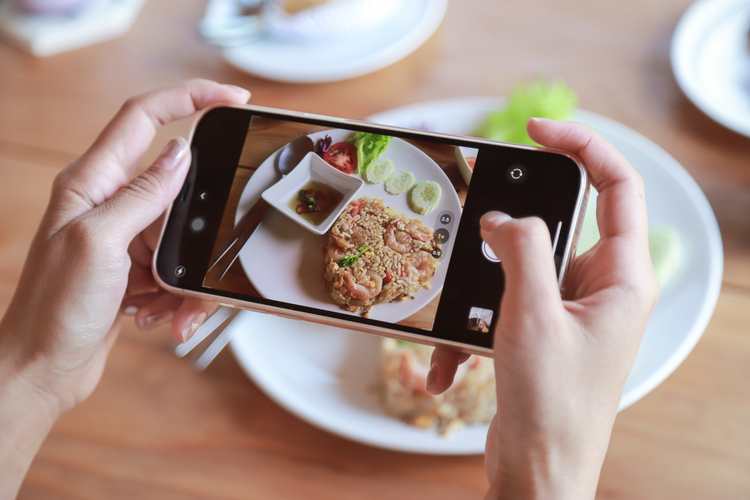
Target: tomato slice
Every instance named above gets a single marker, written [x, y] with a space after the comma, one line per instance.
[342, 156]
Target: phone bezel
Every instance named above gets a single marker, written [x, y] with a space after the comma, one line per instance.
[393, 331]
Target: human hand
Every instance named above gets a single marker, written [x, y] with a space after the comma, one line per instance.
[94, 247]
[561, 363]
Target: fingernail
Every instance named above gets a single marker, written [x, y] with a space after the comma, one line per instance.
[191, 328]
[172, 153]
[432, 378]
[130, 311]
[491, 220]
[239, 90]
[539, 119]
[156, 319]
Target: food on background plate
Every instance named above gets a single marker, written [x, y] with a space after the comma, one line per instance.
[539, 99]
[375, 255]
[294, 6]
[666, 252]
[470, 400]
[326, 19]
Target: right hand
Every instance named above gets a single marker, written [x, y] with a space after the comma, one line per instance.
[561, 363]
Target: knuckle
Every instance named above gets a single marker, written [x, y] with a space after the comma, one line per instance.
[61, 181]
[194, 82]
[529, 231]
[637, 183]
[131, 104]
[89, 243]
[81, 236]
[65, 181]
[60, 186]
[145, 186]
[536, 227]
[68, 195]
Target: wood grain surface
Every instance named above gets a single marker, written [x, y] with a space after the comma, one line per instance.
[154, 428]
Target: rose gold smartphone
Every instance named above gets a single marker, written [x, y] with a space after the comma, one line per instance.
[358, 226]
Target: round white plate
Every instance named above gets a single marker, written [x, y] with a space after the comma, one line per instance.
[337, 59]
[329, 377]
[292, 266]
[687, 302]
[711, 60]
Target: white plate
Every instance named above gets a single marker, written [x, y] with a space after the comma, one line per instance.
[330, 378]
[326, 376]
[673, 197]
[337, 59]
[292, 267]
[711, 60]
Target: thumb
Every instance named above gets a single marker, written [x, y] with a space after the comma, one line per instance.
[524, 248]
[139, 203]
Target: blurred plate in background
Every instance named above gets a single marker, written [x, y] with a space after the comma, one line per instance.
[687, 301]
[330, 378]
[711, 60]
[340, 58]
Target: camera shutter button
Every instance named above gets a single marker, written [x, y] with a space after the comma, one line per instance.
[488, 253]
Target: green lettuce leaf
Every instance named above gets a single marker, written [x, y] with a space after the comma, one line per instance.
[539, 99]
[369, 148]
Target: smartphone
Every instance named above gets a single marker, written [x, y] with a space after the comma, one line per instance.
[368, 228]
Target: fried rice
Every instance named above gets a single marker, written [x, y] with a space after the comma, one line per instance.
[376, 254]
[470, 400]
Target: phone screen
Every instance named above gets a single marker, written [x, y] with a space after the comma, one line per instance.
[397, 257]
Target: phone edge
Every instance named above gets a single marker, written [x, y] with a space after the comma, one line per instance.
[568, 256]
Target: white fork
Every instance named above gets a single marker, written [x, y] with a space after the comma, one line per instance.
[217, 325]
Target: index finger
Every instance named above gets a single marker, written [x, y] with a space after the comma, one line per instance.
[116, 151]
[621, 205]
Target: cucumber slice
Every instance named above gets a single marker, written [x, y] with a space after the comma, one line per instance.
[378, 171]
[400, 182]
[424, 197]
[666, 252]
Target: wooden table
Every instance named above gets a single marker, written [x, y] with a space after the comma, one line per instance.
[155, 428]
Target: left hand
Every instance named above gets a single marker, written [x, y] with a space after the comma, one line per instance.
[94, 248]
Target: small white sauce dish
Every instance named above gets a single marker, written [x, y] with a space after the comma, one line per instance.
[312, 168]
[463, 157]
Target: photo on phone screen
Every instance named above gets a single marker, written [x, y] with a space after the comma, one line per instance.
[403, 250]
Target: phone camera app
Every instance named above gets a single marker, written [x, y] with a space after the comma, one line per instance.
[488, 253]
[516, 174]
